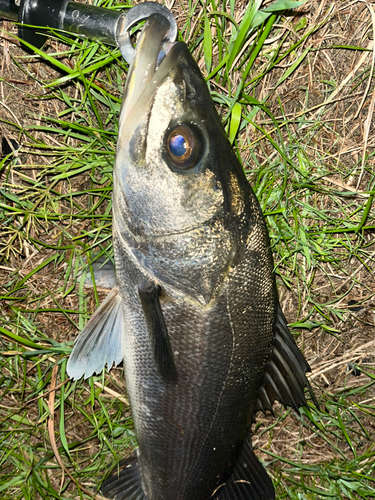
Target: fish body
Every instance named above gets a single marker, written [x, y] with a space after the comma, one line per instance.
[195, 315]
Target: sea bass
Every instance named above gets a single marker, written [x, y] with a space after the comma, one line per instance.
[195, 315]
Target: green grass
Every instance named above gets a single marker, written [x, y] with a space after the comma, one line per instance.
[55, 212]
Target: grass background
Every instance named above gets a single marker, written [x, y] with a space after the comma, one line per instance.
[295, 91]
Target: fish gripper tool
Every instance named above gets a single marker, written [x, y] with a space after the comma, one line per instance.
[101, 24]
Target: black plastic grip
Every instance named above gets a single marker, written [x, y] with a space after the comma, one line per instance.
[48, 13]
[88, 20]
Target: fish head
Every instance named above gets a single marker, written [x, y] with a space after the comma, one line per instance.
[176, 176]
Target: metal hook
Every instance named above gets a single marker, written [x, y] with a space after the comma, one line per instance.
[132, 17]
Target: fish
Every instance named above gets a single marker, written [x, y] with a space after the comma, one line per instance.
[195, 314]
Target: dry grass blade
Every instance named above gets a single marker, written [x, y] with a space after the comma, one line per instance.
[367, 128]
[112, 393]
[353, 355]
[351, 74]
[51, 422]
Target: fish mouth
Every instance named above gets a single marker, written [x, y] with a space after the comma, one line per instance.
[154, 58]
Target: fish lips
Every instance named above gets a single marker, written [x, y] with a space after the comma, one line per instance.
[153, 62]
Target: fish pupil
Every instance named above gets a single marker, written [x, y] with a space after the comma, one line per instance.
[178, 145]
[182, 147]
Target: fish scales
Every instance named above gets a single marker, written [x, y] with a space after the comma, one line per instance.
[204, 338]
[200, 329]
[192, 424]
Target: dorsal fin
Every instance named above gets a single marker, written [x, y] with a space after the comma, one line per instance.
[285, 378]
[101, 341]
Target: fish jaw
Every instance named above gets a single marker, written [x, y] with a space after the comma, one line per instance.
[151, 49]
[157, 197]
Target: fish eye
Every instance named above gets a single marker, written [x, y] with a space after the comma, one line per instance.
[181, 147]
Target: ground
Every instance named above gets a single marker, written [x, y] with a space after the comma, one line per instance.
[303, 126]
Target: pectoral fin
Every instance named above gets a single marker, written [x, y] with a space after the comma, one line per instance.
[149, 295]
[104, 274]
[249, 479]
[285, 378]
[100, 342]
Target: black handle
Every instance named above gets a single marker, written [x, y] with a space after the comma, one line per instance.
[82, 19]
[93, 22]
[9, 10]
[87, 20]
